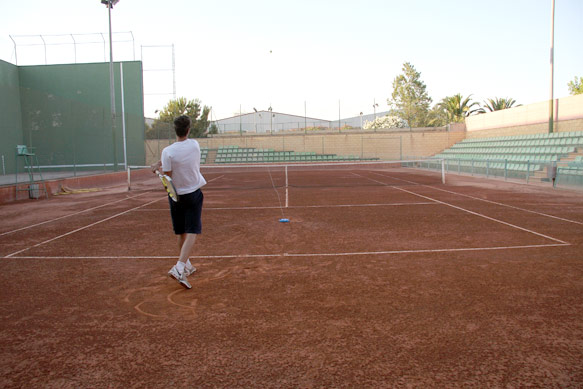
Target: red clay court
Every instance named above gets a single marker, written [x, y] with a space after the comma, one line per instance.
[382, 278]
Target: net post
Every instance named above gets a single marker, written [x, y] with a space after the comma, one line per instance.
[443, 171]
[286, 189]
[129, 178]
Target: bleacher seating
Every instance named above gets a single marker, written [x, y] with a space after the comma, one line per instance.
[236, 154]
[571, 173]
[203, 155]
[521, 153]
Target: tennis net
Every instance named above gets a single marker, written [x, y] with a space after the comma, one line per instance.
[309, 175]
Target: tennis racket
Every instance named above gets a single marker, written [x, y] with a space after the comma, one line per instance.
[168, 185]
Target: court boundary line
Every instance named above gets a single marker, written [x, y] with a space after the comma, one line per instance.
[470, 212]
[300, 206]
[283, 255]
[69, 215]
[509, 206]
[82, 228]
[433, 201]
[486, 201]
[83, 211]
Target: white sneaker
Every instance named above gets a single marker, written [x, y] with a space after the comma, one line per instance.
[189, 270]
[180, 277]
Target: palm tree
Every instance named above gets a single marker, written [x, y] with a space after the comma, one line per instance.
[437, 116]
[457, 108]
[497, 104]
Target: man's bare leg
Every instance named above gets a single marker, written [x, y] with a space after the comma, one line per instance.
[186, 242]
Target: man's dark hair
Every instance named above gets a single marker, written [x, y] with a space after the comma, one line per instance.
[182, 125]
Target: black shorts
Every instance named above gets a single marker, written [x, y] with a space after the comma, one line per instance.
[186, 213]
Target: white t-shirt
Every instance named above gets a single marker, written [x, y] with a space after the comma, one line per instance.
[183, 160]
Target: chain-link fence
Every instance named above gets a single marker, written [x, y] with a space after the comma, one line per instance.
[383, 145]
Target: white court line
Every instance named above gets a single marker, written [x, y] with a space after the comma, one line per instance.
[69, 215]
[509, 206]
[216, 178]
[301, 206]
[282, 255]
[472, 212]
[487, 201]
[424, 251]
[81, 228]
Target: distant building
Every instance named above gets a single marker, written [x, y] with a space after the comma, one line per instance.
[359, 121]
[269, 121]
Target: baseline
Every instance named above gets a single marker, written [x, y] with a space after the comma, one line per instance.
[282, 255]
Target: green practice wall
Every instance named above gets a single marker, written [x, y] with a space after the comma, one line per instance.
[63, 112]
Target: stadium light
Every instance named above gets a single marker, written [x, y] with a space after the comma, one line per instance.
[109, 4]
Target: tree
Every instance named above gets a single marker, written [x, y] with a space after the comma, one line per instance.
[456, 108]
[437, 117]
[410, 100]
[213, 129]
[576, 86]
[384, 122]
[497, 104]
[163, 126]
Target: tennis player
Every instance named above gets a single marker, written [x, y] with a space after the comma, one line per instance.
[181, 161]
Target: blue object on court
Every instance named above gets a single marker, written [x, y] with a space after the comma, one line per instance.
[284, 220]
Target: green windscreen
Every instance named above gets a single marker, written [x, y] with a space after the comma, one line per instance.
[65, 116]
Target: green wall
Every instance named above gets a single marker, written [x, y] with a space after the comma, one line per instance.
[63, 112]
[66, 113]
[10, 115]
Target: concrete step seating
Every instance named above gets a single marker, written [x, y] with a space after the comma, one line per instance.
[203, 155]
[530, 152]
[571, 173]
[236, 154]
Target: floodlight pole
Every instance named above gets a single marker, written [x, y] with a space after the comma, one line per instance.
[109, 4]
[271, 118]
[305, 117]
[338, 115]
[551, 99]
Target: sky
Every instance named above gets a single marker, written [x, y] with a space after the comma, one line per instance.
[321, 58]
